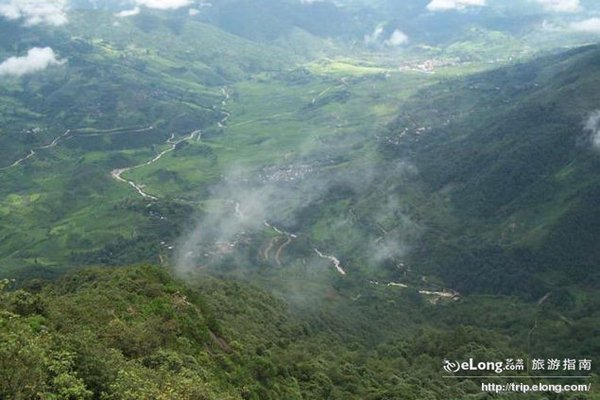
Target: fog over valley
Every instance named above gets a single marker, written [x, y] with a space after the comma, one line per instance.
[294, 199]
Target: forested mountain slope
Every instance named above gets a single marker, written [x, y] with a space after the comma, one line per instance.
[511, 153]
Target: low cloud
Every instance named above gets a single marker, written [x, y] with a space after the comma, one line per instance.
[246, 209]
[565, 6]
[36, 12]
[37, 59]
[398, 38]
[160, 5]
[376, 38]
[128, 13]
[591, 25]
[164, 4]
[447, 5]
[592, 128]
[246, 204]
[551, 26]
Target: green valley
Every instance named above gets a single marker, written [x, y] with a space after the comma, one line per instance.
[280, 199]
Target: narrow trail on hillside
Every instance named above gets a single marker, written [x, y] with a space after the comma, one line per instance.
[279, 231]
[263, 119]
[314, 99]
[117, 173]
[114, 131]
[437, 294]
[226, 96]
[20, 160]
[77, 133]
[342, 82]
[56, 140]
[227, 114]
[31, 153]
[224, 120]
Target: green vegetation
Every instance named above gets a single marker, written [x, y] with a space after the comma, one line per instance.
[328, 218]
[515, 171]
[135, 333]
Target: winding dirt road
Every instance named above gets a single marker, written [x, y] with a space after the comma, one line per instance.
[65, 135]
[270, 246]
[53, 143]
[335, 261]
[438, 294]
[289, 237]
[56, 140]
[116, 131]
[283, 246]
[117, 173]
